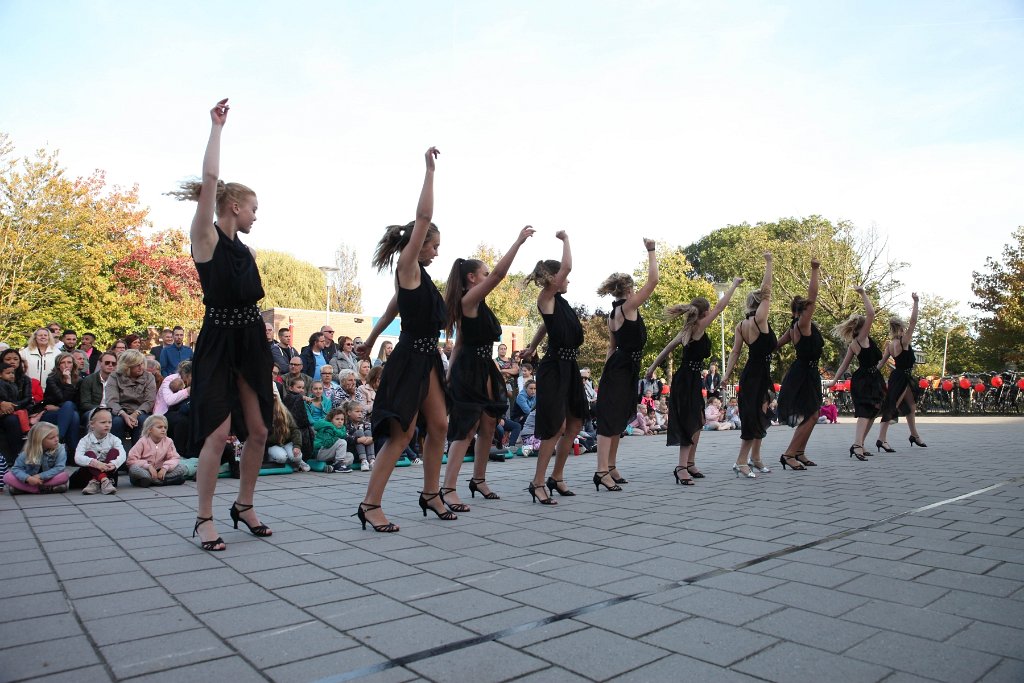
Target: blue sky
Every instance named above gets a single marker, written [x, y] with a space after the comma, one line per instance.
[612, 120]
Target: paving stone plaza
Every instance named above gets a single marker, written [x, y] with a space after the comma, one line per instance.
[908, 567]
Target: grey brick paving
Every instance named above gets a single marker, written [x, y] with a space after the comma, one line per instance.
[934, 595]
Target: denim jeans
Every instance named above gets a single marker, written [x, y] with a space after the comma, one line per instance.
[67, 421]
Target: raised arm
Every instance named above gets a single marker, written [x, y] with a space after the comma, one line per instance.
[644, 293]
[676, 341]
[563, 272]
[869, 314]
[842, 366]
[812, 299]
[408, 267]
[363, 350]
[203, 234]
[719, 307]
[737, 343]
[474, 296]
[908, 335]
[761, 316]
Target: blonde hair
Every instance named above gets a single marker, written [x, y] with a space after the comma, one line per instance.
[281, 426]
[543, 273]
[227, 193]
[848, 330]
[33, 346]
[690, 313]
[897, 326]
[754, 299]
[395, 238]
[128, 359]
[152, 421]
[616, 284]
[34, 441]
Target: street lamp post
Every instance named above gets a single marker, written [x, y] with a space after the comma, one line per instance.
[720, 289]
[945, 348]
[328, 271]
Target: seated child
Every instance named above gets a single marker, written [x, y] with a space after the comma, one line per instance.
[714, 416]
[773, 412]
[360, 435]
[639, 422]
[40, 467]
[98, 455]
[331, 442]
[732, 413]
[648, 399]
[175, 385]
[154, 460]
[829, 412]
[318, 405]
[295, 401]
[284, 438]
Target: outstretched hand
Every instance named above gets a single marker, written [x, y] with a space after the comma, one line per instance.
[432, 154]
[768, 256]
[815, 264]
[362, 351]
[562, 235]
[650, 244]
[859, 289]
[737, 281]
[526, 233]
[913, 295]
[219, 113]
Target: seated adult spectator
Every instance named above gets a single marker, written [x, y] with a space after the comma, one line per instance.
[383, 354]
[283, 351]
[367, 393]
[345, 359]
[60, 400]
[88, 346]
[39, 355]
[130, 393]
[81, 362]
[172, 355]
[173, 402]
[153, 368]
[509, 371]
[526, 402]
[362, 372]
[295, 366]
[330, 348]
[166, 339]
[133, 341]
[68, 341]
[119, 347]
[331, 388]
[347, 380]
[55, 330]
[313, 356]
[15, 395]
[90, 390]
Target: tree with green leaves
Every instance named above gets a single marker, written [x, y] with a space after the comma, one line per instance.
[289, 282]
[513, 300]
[1000, 292]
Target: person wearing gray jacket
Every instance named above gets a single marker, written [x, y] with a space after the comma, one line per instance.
[130, 394]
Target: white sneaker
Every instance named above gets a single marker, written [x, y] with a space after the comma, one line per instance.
[417, 461]
[365, 467]
[107, 487]
[92, 487]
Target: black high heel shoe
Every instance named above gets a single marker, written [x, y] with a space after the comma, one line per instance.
[784, 461]
[916, 441]
[884, 446]
[474, 486]
[533, 488]
[553, 486]
[210, 546]
[261, 530]
[685, 482]
[447, 515]
[855, 454]
[360, 512]
[694, 472]
[618, 480]
[804, 460]
[454, 507]
[599, 482]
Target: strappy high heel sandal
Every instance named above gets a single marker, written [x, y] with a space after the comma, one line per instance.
[884, 446]
[454, 507]
[599, 482]
[749, 474]
[553, 483]
[784, 460]
[759, 467]
[235, 510]
[386, 528]
[447, 515]
[694, 472]
[474, 486]
[804, 460]
[210, 546]
[533, 488]
[618, 480]
[679, 480]
[855, 454]
[916, 441]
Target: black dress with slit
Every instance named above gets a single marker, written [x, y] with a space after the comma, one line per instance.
[800, 395]
[232, 343]
[867, 388]
[616, 397]
[901, 380]
[756, 386]
[559, 385]
[473, 367]
[406, 377]
[685, 400]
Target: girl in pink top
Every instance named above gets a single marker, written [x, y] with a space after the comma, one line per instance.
[154, 461]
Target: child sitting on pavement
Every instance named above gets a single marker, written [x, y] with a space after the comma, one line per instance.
[331, 442]
[98, 456]
[154, 460]
[40, 467]
[360, 436]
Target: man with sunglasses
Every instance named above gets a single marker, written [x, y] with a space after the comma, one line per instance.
[90, 391]
[295, 370]
[330, 348]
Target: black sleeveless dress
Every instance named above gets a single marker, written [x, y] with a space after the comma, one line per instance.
[800, 395]
[755, 387]
[616, 398]
[867, 388]
[473, 366]
[900, 380]
[232, 343]
[685, 401]
[406, 377]
[559, 385]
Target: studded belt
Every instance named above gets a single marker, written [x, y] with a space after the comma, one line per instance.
[243, 316]
[424, 345]
[635, 356]
[563, 353]
[480, 351]
[694, 365]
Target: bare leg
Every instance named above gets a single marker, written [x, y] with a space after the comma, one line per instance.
[482, 451]
[435, 411]
[606, 445]
[206, 477]
[547, 447]
[912, 415]
[252, 451]
[691, 458]
[383, 466]
[741, 459]
[572, 428]
[456, 452]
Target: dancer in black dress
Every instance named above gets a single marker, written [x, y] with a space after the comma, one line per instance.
[755, 380]
[616, 402]
[800, 395]
[561, 403]
[903, 392]
[478, 391]
[685, 401]
[413, 382]
[232, 388]
[867, 388]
